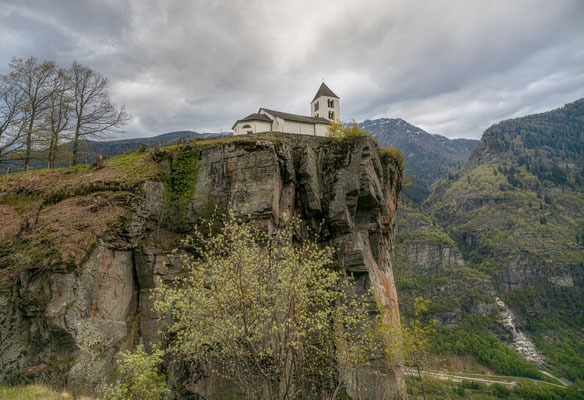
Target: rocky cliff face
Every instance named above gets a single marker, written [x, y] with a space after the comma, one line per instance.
[429, 264]
[67, 320]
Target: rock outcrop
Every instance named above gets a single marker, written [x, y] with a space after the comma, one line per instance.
[69, 322]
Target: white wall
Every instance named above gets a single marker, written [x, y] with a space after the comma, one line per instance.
[300, 128]
[280, 125]
[255, 127]
[321, 130]
[323, 109]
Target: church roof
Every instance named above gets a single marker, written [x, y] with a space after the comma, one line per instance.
[297, 118]
[256, 117]
[253, 117]
[324, 90]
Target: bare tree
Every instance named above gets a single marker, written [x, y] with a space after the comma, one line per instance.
[59, 112]
[94, 112]
[12, 118]
[33, 80]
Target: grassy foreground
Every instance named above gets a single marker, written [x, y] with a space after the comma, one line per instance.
[34, 392]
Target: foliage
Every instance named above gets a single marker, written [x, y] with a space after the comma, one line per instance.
[556, 328]
[472, 337]
[270, 316]
[448, 390]
[181, 184]
[395, 154]
[416, 334]
[538, 141]
[140, 377]
[427, 236]
[340, 132]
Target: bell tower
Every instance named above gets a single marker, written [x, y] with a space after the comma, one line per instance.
[325, 104]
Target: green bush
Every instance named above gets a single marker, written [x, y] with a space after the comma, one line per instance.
[339, 132]
[501, 390]
[395, 154]
[139, 377]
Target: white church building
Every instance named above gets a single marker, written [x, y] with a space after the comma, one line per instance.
[324, 108]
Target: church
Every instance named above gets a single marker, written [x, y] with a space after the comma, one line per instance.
[324, 108]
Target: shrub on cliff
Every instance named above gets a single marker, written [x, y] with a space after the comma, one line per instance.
[394, 154]
[140, 377]
[272, 317]
[339, 132]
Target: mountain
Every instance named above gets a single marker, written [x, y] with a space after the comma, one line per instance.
[428, 157]
[115, 147]
[515, 211]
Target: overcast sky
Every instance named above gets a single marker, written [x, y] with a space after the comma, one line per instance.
[449, 67]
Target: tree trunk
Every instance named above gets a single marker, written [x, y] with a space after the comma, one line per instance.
[76, 143]
[421, 381]
[29, 142]
[52, 150]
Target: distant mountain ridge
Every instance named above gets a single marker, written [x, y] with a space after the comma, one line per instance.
[428, 157]
[119, 146]
[515, 212]
[548, 138]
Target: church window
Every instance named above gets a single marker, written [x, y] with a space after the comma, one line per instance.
[331, 103]
[245, 127]
[316, 106]
[331, 115]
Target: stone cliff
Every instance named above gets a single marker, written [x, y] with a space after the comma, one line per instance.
[81, 249]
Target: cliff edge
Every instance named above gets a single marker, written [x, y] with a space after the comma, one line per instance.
[82, 248]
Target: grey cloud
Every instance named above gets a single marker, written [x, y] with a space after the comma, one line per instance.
[452, 67]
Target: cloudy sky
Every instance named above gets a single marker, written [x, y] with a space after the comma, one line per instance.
[451, 67]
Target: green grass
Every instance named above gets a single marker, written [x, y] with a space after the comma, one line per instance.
[447, 390]
[35, 392]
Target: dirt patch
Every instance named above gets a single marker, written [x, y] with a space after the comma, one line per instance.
[68, 230]
[9, 223]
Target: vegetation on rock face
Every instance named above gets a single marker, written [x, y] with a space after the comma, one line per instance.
[140, 377]
[180, 184]
[340, 132]
[54, 217]
[393, 153]
[473, 336]
[270, 317]
[61, 213]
